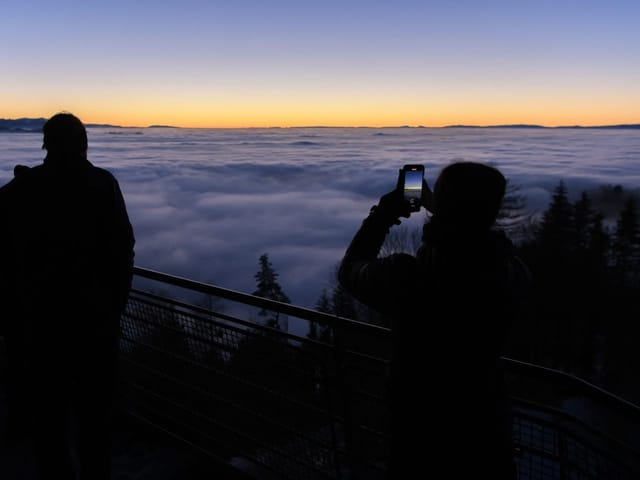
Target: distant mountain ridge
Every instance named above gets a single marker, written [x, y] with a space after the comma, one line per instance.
[30, 125]
[22, 124]
[632, 126]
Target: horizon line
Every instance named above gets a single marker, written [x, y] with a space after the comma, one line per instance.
[503, 125]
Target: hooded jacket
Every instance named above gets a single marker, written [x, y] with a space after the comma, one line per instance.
[451, 306]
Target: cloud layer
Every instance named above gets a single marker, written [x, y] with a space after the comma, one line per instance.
[205, 204]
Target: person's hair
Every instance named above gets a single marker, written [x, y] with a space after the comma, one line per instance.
[468, 195]
[65, 135]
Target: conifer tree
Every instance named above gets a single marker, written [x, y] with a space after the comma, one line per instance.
[626, 246]
[164, 341]
[555, 231]
[552, 264]
[343, 303]
[268, 287]
[321, 332]
[590, 241]
[583, 217]
[214, 305]
[324, 303]
[599, 244]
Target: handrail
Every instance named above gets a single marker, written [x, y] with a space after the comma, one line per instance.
[314, 315]
[539, 371]
[344, 377]
[255, 301]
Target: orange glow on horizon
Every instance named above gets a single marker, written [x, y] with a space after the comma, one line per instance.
[360, 113]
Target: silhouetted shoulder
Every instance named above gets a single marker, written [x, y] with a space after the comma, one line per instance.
[20, 169]
[103, 173]
[104, 180]
[23, 173]
[20, 174]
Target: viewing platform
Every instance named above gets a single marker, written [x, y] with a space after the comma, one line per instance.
[207, 387]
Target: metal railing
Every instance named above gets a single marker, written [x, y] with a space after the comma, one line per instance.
[296, 406]
[309, 403]
[565, 427]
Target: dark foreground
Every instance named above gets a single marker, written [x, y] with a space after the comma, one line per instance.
[139, 453]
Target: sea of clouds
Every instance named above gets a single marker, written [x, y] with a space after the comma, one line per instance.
[206, 203]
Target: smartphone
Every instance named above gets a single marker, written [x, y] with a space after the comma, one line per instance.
[412, 185]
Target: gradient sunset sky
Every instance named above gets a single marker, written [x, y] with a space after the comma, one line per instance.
[256, 63]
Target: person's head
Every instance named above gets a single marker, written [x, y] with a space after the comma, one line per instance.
[468, 195]
[65, 137]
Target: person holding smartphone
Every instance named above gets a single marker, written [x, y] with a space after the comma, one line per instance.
[450, 305]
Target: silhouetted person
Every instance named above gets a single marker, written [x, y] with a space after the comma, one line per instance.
[451, 306]
[66, 265]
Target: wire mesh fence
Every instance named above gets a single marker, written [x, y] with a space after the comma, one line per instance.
[297, 406]
[311, 405]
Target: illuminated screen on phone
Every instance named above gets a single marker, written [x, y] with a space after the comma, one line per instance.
[413, 184]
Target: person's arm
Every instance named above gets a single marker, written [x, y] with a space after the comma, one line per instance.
[123, 250]
[363, 275]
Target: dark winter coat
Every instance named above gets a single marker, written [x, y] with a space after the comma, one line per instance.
[66, 249]
[451, 306]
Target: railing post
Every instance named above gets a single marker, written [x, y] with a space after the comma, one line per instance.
[563, 460]
[334, 436]
[346, 399]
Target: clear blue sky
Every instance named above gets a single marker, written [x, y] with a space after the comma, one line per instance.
[259, 63]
